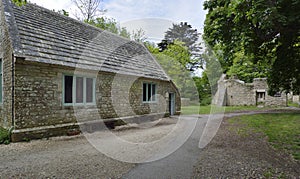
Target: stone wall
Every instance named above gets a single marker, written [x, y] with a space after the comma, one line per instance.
[239, 93]
[296, 98]
[6, 54]
[39, 96]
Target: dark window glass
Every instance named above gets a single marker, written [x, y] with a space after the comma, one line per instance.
[144, 92]
[79, 90]
[89, 90]
[149, 92]
[68, 89]
[153, 92]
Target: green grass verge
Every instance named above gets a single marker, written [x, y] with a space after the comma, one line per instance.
[293, 104]
[282, 130]
[4, 136]
[196, 109]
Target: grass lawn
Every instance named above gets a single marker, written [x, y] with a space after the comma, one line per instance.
[282, 130]
[293, 104]
[196, 109]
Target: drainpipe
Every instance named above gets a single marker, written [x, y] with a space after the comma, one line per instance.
[13, 91]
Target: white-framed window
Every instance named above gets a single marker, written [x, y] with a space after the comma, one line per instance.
[149, 92]
[78, 90]
[1, 82]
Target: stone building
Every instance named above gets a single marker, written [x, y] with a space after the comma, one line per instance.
[234, 92]
[58, 73]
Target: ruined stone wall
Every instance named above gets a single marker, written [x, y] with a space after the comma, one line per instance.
[260, 84]
[6, 54]
[296, 98]
[239, 93]
[276, 101]
[39, 96]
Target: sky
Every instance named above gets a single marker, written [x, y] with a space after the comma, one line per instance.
[154, 16]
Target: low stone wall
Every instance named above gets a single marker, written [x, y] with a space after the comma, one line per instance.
[275, 101]
[296, 98]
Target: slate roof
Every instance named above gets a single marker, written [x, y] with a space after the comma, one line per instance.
[41, 35]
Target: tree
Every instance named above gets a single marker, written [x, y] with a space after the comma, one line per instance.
[139, 35]
[185, 33]
[266, 32]
[88, 9]
[173, 60]
[204, 89]
[62, 12]
[110, 25]
[178, 52]
[20, 2]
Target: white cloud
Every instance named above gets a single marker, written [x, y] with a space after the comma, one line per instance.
[154, 16]
[54, 4]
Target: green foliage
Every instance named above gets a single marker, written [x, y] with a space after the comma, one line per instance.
[151, 47]
[245, 69]
[4, 136]
[179, 52]
[110, 25]
[283, 130]
[184, 32]
[20, 2]
[179, 75]
[266, 32]
[204, 89]
[64, 12]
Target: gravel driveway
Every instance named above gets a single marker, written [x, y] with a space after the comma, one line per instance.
[228, 155]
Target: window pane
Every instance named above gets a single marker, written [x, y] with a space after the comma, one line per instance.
[68, 89]
[89, 90]
[153, 92]
[144, 92]
[149, 92]
[79, 90]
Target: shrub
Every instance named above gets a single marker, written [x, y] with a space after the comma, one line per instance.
[206, 101]
[4, 136]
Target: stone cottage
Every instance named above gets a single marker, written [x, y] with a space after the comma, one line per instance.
[234, 92]
[58, 73]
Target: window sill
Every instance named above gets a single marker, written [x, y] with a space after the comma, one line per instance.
[149, 102]
[81, 105]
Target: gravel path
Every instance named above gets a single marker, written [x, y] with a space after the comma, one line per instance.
[63, 157]
[228, 155]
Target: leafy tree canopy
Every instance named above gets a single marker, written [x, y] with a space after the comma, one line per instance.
[265, 32]
[185, 33]
[19, 2]
[110, 25]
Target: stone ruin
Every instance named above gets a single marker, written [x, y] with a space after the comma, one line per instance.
[234, 92]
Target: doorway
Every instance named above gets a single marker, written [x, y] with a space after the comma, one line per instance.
[172, 104]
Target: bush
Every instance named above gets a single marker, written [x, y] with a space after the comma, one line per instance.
[205, 101]
[4, 136]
